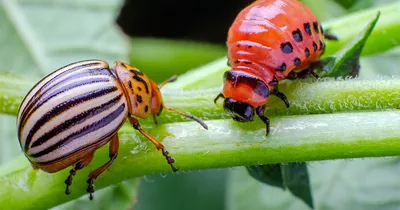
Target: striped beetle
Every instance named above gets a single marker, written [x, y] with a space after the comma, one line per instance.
[77, 109]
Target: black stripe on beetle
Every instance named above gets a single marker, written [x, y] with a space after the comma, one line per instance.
[63, 106]
[77, 119]
[139, 79]
[297, 36]
[50, 86]
[287, 47]
[84, 131]
[307, 28]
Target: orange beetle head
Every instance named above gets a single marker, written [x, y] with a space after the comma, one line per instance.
[243, 93]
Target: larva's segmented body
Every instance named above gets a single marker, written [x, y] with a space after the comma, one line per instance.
[80, 107]
[268, 41]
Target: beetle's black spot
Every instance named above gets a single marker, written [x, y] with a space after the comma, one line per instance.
[321, 45]
[135, 76]
[316, 26]
[139, 98]
[247, 62]
[287, 47]
[307, 28]
[307, 52]
[139, 88]
[281, 67]
[297, 36]
[130, 84]
[123, 65]
[315, 46]
[146, 108]
[297, 61]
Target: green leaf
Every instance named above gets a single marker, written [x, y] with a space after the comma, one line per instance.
[366, 184]
[346, 62]
[269, 174]
[161, 58]
[384, 37]
[325, 9]
[296, 179]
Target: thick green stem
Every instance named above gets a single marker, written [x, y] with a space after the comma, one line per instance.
[225, 144]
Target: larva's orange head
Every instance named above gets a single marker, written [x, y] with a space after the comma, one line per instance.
[243, 93]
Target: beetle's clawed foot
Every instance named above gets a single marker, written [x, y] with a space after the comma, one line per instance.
[68, 181]
[169, 159]
[90, 188]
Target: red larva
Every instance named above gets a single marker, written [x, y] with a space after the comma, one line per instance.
[268, 40]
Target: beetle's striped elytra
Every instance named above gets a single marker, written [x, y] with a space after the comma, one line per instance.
[77, 109]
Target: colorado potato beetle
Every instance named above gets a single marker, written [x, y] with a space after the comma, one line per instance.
[268, 41]
[77, 109]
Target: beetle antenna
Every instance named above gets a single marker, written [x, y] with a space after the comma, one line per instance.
[189, 116]
[171, 79]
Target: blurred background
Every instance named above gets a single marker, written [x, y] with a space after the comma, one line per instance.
[171, 37]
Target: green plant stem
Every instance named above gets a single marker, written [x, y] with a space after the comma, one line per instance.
[225, 144]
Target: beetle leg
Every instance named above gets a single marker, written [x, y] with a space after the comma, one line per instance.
[135, 123]
[113, 152]
[155, 119]
[305, 72]
[330, 36]
[220, 95]
[260, 113]
[76, 167]
[281, 96]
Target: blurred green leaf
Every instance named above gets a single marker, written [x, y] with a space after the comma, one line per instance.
[296, 179]
[386, 63]
[346, 62]
[161, 58]
[364, 4]
[325, 9]
[269, 174]
[384, 37]
[366, 184]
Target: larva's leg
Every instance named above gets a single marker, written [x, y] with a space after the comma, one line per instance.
[135, 123]
[81, 164]
[113, 152]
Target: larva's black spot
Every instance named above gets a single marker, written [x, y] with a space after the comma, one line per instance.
[238, 45]
[321, 45]
[307, 28]
[247, 62]
[146, 108]
[281, 67]
[249, 46]
[139, 88]
[237, 61]
[316, 26]
[297, 36]
[287, 47]
[139, 98]
[315, 46]
[322, 29]
[307, 52]
[297, 62]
